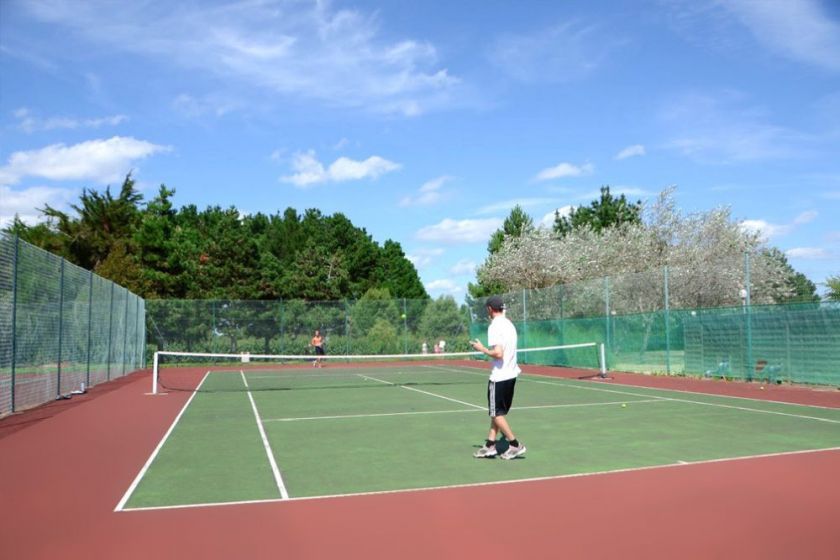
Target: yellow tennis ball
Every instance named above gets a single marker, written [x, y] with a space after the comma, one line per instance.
[623, 405]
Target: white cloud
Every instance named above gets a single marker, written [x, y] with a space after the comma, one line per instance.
[805, 217]
[722, 129]
[464, 267]
[443, 287]
[428, 194]
[507, 205]
[26, 203]
[631, 151]
[310, 171]
[547, 221]
[565, 170]
[800, 30]
[765, 229]
[422, 258]
[808, 253]
[451, 231]
[308, 50]
[97, 160]
[615, 191]
[212, 104]
[768, 230]
[28, 122]
[569, 51]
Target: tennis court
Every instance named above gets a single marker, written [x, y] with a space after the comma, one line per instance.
[251, 433]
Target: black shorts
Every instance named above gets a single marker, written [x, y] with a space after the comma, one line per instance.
[500, 396]
[319, 350]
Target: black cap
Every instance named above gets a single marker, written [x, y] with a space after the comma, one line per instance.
[495, 303]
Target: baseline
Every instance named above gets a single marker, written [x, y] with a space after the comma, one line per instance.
[677, 464]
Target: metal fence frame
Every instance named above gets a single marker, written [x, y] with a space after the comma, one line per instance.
[51, 338]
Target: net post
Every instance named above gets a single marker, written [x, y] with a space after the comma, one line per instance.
[603, 360]
[155, 374]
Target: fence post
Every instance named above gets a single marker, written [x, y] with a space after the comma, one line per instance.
[143, 339]
[60, 327]
[607, 311]
[748, 310]
[110, 328]
[524, 318]
[347, 323]
[14, 317]
[405, 327]
[125, 331]
[667, 325]
[280, 303]
[90, 326]
[137, 345]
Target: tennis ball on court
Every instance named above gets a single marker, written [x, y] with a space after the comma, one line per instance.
[623, 405]
[762, 387]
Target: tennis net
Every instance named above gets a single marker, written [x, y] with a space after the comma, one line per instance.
[189, 371]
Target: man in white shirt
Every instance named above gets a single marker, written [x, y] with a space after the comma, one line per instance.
[502, 340]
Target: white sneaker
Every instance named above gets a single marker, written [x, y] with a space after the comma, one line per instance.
[485, 452]
[513, 452]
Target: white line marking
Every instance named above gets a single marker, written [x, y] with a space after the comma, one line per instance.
[499, 482]
[154, 454]
[453, 411]
[424, 392]
[572, 385]
[342, 417]
[278, 479]
[817, 418]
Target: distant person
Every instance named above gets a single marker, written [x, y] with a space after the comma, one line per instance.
[502, 340]
[424, 348]
[442, 345]
[318, 342]
[437, 348]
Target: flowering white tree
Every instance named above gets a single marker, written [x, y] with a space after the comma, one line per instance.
[704, 254]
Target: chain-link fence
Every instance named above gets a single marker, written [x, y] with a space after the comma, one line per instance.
[676, 321]
[349, 327]
[718, 323]
[62, 328]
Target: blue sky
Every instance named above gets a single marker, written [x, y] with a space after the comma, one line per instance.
[426, 122]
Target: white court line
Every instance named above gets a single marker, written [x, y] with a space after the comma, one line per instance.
[424, 392]
[278, 479]
[673, 399]
[453, 411]
[154, 454]
[677, 464]
[346, 373]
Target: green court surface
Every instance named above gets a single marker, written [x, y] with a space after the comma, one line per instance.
[347, 430]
